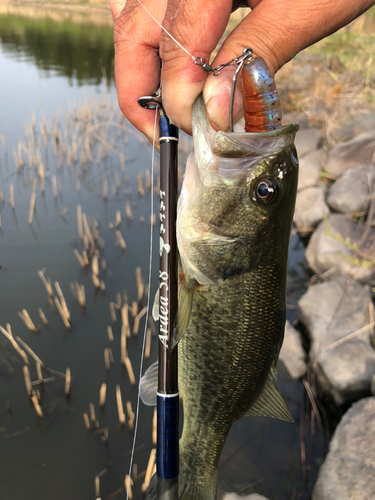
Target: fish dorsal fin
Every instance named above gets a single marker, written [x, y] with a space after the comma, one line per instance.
[270, 403]
[185, 303]
[149, 385]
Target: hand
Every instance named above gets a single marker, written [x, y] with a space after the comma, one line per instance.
[275, 30]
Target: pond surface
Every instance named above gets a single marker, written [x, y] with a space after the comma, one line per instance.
[58, 109]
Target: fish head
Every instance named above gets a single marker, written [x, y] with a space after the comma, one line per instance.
[237, 200]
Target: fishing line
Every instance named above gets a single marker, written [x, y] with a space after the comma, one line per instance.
[148, 302]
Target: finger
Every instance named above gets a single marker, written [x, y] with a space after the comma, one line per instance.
[276, 31]
[197, 26]
[137, 62]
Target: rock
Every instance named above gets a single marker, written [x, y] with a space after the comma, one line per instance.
[309, 169]
[292, 353]
[357, 151]
[307, 140]
[334, 247]
[331, 311]
[310, 209]
[352, 190]
[349, 468]
[354, 125]
[234, 496]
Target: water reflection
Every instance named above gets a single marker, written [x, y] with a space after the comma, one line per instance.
[80, 52]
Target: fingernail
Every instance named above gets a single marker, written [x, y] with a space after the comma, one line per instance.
[216, 96]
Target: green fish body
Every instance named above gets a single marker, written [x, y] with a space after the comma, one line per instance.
[234, 220]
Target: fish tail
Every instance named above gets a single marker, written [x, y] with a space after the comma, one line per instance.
[188, 489]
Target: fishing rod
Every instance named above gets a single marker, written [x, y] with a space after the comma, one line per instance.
[167, 448]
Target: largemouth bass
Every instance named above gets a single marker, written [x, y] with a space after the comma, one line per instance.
[234, 220]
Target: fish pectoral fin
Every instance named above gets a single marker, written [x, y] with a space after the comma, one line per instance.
[270, 403]
[185, 304]
[149, 385]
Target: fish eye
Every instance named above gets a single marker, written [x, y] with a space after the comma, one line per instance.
[265, 191]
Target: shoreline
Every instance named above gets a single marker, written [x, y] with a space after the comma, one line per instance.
[58, 5]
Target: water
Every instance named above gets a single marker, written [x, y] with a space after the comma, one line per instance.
[60, 69]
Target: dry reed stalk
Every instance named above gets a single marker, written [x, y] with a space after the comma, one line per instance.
[102, 286]
[63, 211]
[39, 372]
[17, 348]
[86, 242]
[112, 312]
[141, 190]
[117, 180]
[30, 351]
[54, 186]
[41, 176]
[79, 221]
[123, 347]
[26, 376]
[85, 258]
[154, 427]
[43, 381]
[128, 211]
[129, 369]
[103, 264]
[105, 436]
[62, 313]
[350, 336]
[15, 158]
[11, 196]
[95, 280]
[68, 380]
[62, 300]
[118, 299]
[42, 316]
[118, 219]
[371, 317]
[120, 409]
[152, 220]
[2, 138]
[87, 230]
[134, 309]
[122, 162]
[106, 360]
[125, 318]
[140, 285]
[131, 415]
[80, 291]
[135, 471]
[87, 421]
[1, 198]
[47, 284]
[24, 315]
[105, 188]
[120, 240]
[37, 407]
[148, 343]
[141, 219]
[95, 265]
[92, 413]
[128, 486]
[150, 466]
[137, 319]
[111, 358]
[102, 394]
[79, 258]
[110, 334]
[148, 180]
[32, 207]
[97, 487]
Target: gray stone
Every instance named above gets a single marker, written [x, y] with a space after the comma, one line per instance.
[352, 190]
[310, 209]
[357, 151]
[334, 247]
[331, 311]
[348, 472]
[354, 125]
[307, 140]
[292, 353]
[234, 496]
[310, 167]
